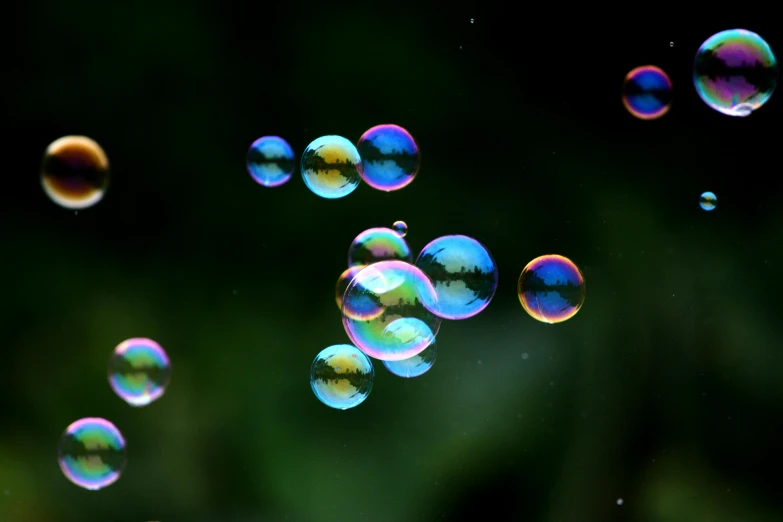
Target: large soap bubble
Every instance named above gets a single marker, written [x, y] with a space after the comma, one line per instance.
[92, 453]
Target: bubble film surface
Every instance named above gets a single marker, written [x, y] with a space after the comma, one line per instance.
[708, 201]
[401, 228]
[402, 320]
[342, 376]
[330, 167]
[551, 289]
[342, 284]
[390, 157]
[463, 272]
[378, 244]
[414, 366]
[92, 453]
[75, 172]
[139, 371]
[647, 92]
[270, 161]
[735, 72]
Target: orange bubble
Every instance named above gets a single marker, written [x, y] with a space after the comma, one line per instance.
[75, 172]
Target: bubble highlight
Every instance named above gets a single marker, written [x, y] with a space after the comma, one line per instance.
[551, 289]
[647, 92]
[390, 157]
[92, 453]
[270, 161]
[139, 371]
[341, 376]
[330, 167]
[75, 172]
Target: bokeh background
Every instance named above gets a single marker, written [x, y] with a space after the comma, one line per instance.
[663, 391]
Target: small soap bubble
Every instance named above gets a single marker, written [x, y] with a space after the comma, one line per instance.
[735, 72]
[708, 201]
[647, 92]
[75, 172]
[330, 167]
[671, 44]
[270, 161]
[341, 376]
[463, 272]
[551, 289]
[139, 371]
[414, 366]
[403, 303]
[619, 502]
[390, 157]
[92, 453]
[401, 228]
[471, 20]
[378, 244]
[342, 283]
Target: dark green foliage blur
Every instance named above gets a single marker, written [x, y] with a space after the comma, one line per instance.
[664, 390]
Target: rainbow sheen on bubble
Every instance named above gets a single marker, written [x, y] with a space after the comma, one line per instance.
[92, 453]
[342, 376]
[390, 157]
[414, 366]
[378, 244]
[735, 72]
[551, 289]
[647, 92]
[708, 201]
[407, 322]
[75, 172]
[139, 371]
[463, 272]
[270, 161]
[401, 228]
[342, 283]
[330, 167]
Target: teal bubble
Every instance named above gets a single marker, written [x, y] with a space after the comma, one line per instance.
[341, 376]
[708, 201]
[270, 161]
[414, 366]
[92, 453]
[330, 167]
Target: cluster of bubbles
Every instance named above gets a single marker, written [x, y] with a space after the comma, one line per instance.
[92, 451]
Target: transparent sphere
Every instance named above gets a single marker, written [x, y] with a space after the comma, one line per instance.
[551, 289]
[463, 272]
[341, 376]
[75, 172]
[708, 201]
[401, 228]
[390, 157]
[735, 72]
[647, 92]
[378, 244]
[270, 161]
[139, 371]
[389, 311]
[92, 453]
[414, 366]
[330, 167]
[342, 283]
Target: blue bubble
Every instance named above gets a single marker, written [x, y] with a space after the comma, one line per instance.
[330, 167]
[390, 157]
[708, 201]
[270, 161]
[342, 376]
[414, 366]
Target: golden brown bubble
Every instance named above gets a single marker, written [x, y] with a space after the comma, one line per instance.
[75, 172]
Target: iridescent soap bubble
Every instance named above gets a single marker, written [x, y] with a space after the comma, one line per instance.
[343, 281]
[414, 366]
[330, 167]
[708, 201]
[75, 172]
[404, 320]
[139, 371]
[342, 376]
[647, 92]
[390, 157]
[735, 72]
[400, 227]
[378, 244]
[92, 453]
[270, 161]
[551, 289]
[463, 272]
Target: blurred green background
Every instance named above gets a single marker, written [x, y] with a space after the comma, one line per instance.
[663, 391]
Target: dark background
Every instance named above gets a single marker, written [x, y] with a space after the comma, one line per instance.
[664, 390]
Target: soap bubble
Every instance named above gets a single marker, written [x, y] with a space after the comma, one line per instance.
[735, 72]
[270, 161]
[647, 92]
[92, 453]
[342, 283]
[378, 244]
[708, 200]
[401, 228]
[139, 371]
[341, 376]
[75, 172]
[463, 272]
[390, 157]
[414, 366]
[406, 324]
[551, 289]
[330, 167]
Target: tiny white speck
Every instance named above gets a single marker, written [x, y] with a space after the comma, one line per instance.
[471, 20]
[619, 502]
[524, 356]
